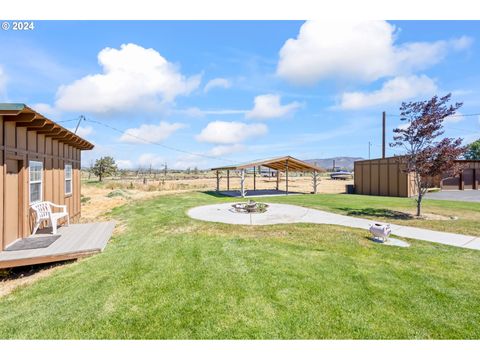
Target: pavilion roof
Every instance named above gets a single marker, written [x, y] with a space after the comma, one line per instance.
[277, 163]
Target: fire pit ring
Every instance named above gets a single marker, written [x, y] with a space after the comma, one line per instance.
[249, 207]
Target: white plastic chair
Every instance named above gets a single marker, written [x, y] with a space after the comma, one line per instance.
[43, 211]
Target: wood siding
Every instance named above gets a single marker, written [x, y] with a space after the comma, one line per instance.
[468, 179]
[18, 143]
[384, 177]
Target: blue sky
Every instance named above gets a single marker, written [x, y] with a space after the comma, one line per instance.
[236, 91]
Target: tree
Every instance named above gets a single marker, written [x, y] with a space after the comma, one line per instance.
[473, 151]
[427, 157]
[105, 166]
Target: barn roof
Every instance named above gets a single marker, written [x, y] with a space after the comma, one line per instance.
[277, 163]
[25, 116]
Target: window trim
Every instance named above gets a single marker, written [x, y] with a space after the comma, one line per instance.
[35, 181]
[66, 179]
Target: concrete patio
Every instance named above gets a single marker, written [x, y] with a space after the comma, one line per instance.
[286, 214]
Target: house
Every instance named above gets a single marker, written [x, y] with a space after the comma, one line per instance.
[387, 177]
[39, 161]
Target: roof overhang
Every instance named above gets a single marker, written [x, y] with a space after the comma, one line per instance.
[279, 164]
[24, 116]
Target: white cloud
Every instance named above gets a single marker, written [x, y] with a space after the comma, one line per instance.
[46, 110]
[133, 78]
[404, 125]
[83, 131]
[358, 50]
[196, 112]
[191, 112]
[150, 133]
[397, 89]
[457, 117]
[221, 150]
[190, 161]
[144, 161]
[124, 164]
[153, 160]
[268, 106]
[217, 82]
[224, 112]
[223, 132]
[3, 81]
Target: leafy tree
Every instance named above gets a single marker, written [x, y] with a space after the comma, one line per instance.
[473, 151]
[425, 155]
[104, 166]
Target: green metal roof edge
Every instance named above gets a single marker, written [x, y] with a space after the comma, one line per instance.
[12, 106]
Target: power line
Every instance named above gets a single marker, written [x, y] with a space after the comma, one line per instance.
[64, 121]
[454, 115]
[458, 129]
[156, 143]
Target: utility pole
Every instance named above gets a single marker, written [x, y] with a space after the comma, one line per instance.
[384, 120]
[79, 121]
[369, 146]
[165, 170]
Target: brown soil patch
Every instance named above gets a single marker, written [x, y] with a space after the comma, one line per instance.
[10, 279]
[427, 216]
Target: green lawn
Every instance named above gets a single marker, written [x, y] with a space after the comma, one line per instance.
[169, 276]
[394, 210]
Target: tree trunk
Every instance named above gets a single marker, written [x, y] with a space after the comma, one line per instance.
[419, 204]
[100, 177]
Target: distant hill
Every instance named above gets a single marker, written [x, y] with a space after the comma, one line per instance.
[342, 162]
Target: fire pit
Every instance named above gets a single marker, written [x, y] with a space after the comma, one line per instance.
[250, 207]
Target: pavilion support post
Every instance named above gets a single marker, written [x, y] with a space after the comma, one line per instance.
[228, 180]
[254, 178]
[314, 181]
[218, 182]
[286, 177]
[242, 183]
[278, 179]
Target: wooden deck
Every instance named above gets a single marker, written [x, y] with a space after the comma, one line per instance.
[76, 240]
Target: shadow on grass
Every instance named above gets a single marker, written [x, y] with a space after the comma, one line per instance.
[216, 194]
[385, 213]
[29, 270]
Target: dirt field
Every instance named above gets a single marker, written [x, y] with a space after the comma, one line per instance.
[101, 198]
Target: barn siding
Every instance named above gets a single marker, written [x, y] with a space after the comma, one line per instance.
[468, 179]
[383, 177]
[2, 176]
[29, 145]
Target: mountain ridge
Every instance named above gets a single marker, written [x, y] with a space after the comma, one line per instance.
[342, 162]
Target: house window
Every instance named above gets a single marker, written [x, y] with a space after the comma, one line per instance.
[68, 179]
[35, 177]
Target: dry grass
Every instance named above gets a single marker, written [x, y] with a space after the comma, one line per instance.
[112, 193]
[11, 279]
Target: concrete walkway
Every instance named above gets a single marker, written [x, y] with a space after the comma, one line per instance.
[287, 214]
